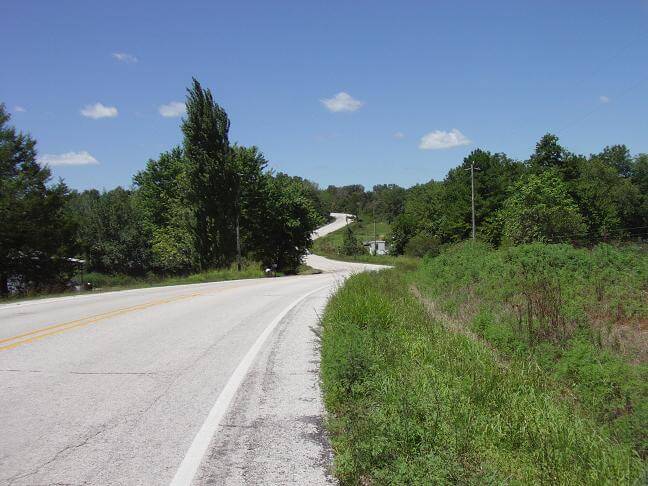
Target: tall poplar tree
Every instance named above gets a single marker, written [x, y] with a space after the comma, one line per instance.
[213, 178]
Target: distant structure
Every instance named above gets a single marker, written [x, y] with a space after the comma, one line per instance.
[376, 247]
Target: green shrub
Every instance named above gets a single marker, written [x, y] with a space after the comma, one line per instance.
[421, 245]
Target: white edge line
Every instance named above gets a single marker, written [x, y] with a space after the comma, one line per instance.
[193, 458]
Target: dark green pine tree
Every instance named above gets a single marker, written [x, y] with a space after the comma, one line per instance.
[213, 178]
[36, 232]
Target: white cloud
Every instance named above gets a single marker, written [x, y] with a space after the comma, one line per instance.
[19, 109]
[172, 109]
[440, 139]
[604, 99]
[399, 135]
[342, 102]
[68, 158]
[99, 111]
[125, 57]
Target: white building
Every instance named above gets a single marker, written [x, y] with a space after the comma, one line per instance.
[378, 247]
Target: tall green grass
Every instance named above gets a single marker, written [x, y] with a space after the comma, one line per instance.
[580, 315]
[411, 402]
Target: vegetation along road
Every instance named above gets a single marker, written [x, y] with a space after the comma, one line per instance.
[211, 382]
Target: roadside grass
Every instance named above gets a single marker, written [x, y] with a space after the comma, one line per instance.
[106, 283]
[579, 315]
[111, 282]
[412, 401]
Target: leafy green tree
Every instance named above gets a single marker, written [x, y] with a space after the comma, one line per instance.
[346, 199]
[350, 243]
[541, 209]
[425, 206]
[288, 222]
[213, 181]
[549, 154]
[607, 201]
[112, 232]
[639, 178]
[618, 157]
[388, 201]
[492, 182]
[162, 189]
[36, 231]
[315, 195]
[250, 205]
[404, 228]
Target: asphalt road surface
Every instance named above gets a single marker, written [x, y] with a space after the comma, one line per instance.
[195, 384]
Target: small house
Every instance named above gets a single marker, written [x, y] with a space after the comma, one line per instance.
[378, 247]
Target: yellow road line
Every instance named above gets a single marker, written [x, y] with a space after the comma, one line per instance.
[66, 326]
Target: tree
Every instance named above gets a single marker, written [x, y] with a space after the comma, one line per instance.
[346, 199]
[113, 234]
[288, 222]
[250, 205]
[549, 154]
[162, 189]
[213, 181]
[492, 182]
[540, 209]
[639, 178]
[388, 200]
[607, 201]
[404, 228]
[618, 157]
[36, 231]
[350, 244]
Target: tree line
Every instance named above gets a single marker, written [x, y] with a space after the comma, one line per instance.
[553, 196]
[184, 210]
[196, 207]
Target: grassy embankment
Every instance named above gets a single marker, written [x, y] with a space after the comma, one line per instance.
[524, 365]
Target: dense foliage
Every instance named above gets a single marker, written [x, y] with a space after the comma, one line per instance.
[181, 216]
[555, 195]
[415, 399]
[36, 230]
[577, 314]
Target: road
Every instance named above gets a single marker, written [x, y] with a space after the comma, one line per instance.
[195, 384]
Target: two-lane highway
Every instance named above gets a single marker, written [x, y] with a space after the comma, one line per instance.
[207, 383]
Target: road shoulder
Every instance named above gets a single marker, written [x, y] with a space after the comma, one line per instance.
[274, 432]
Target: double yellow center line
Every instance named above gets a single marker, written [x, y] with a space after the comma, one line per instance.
[28, 337]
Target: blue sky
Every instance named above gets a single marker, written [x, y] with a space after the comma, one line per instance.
[416, 84]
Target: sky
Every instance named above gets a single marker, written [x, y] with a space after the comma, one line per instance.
[339, 92]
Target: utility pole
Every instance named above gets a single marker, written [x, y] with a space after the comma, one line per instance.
[375, 245]
[238, 218]
[238, 241]
[472, 185]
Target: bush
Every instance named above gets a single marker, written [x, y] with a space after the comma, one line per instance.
[350, 244]
[422, 245]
